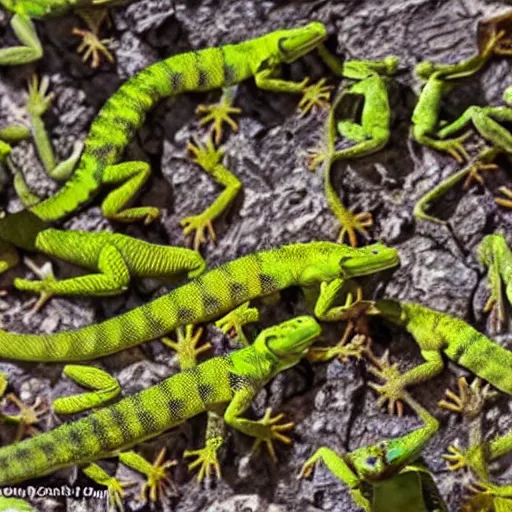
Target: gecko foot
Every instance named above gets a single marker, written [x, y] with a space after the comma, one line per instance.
[507, 203]
[234, 321]
[315, 97]
[38, 98]
[27, 416]
[186, 346]
[93, 47]
[475, 176]
[454, 147]
[46, 275]
[207, 459]
[352, 223]
[392, 390]
[470, 399]
[158, 482]
[455, 458]
[270, 430]
[314, 157]
[217, 114]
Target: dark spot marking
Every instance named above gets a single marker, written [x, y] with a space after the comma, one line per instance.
[76, 440]
[237, 293]
[145, 417]
[236, 382]
[267, 283]
[155, 324]
[202, 81]
[206, 392]
[176, 81]
[103, 151]
[119, 420]
[211, 304]
[100, 431]
[49, 450]
[177, 408]
[459, 352]
[186, 315]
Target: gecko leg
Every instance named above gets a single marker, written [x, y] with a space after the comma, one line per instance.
[235, 320]
[315, 97]
[158, 482]
[220, 113]
[114, 486]
[91, 46]
[104, 385]
[209, 159]
[27, 416]
[31, 50]
[186, 346]
[507, 192]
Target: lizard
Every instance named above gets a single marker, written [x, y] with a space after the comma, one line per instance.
[211, 294]
[384, 477]
[469, 402]
[24, 11]
[228, 383]
[116, 257]
[124, 112]
[440, 79]
[370, 135]
[436, 333]
[493, 253]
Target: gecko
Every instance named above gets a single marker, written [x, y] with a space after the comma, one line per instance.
[370, 135]
[440, 79]
[469, 403]
[124, 112]
[211, 294]
[24, 11]
[384, 477]
[227, 384]
[437, 333]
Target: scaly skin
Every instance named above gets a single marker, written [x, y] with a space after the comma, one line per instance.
[124, 112]
[493, 252]
[437, 333]
[209, 296]
[230, 382]
[26, 10]
[440, 79]
[470, 404]
[370, 135]
[396, 485]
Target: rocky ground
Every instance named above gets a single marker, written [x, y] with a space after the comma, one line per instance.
[281, 203]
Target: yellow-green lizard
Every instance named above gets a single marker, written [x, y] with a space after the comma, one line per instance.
[494, 253]
[437, 333]
[383, 477]
[210, 295]
[469, 402]
[31, 50]
[441, 78]
[224, 384]
[370, 135]
[124, 112]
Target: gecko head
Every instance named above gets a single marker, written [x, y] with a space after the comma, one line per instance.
[369, 462]
[288, 342]
[366, 260]
[296, 42]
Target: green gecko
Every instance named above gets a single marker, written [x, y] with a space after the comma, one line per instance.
[387, 469]
[493, 253]
[210, 295]
[440, 79]
[370, 135]
[470, 403]
[226, 384]
[436, 333]
[125, 111]
[31, 50]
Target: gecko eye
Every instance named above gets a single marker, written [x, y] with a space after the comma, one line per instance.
[371, 461]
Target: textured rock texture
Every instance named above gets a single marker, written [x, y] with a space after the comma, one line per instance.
[281, 203]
